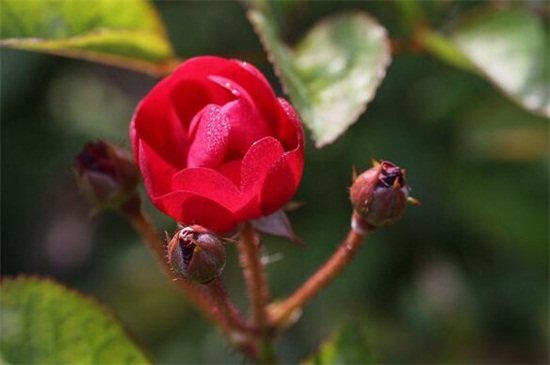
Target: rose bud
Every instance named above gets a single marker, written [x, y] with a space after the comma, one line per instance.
[216, 146]
[379, 195]
[196, 254]
[106, 175]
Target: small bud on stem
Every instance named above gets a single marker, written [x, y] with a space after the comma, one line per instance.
[197, 254]
[106, 175]
[379, 196]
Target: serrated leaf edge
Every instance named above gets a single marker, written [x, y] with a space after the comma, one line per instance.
[253, 14]
[105, 310]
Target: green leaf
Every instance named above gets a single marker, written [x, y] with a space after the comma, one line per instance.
[334, 70]
[510, 48]
[45, 323]
[125, 33]
[347, 346]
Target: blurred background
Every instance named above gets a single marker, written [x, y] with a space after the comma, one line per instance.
[464, 278]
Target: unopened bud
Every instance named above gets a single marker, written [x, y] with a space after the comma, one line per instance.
[106, 175]
[197, 254]
[379, 195]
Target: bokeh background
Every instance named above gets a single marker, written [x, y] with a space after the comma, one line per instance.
[464, 278]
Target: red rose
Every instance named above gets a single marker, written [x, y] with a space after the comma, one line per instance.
[215, 145]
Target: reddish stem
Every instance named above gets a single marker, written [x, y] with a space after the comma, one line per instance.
[285, 313]
[193, 292]
[218, 309]
[256, 281]
[258, 290]
[242, 333]
[221, 299]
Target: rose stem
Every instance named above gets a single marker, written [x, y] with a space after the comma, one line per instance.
[282, 313]
[243, 332]
[258, 289]
[195, 294]
[226, 306]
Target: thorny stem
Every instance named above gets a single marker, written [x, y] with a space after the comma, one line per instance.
[196, 294]
[193, 292]
[226, 306]
[250, 258]
[254, 340]
[242, 333]
[286, 312]
[258, 290]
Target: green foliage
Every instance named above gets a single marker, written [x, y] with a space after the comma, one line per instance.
[45, 323]
[124, 33]
[348, 346]
[333, 72]
[509, 48]
[443, 48]
[465, 275]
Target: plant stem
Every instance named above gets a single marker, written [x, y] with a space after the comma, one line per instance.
[284, 313]
[212, 302]
[242, 333]
[258, 290]
[193, 292]
[250, 258]
[223, 314]
[226, 306]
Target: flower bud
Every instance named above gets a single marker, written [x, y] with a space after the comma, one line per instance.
[197, 254]
[106, 176]
[379, 195]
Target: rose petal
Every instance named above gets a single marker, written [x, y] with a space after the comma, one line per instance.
[188, 208]
[263, 93]
[281, 181]
[211, 140]
[209, 145]
[231, 170]
[154, 171]
[257, 74]
[242, 74]
[156, 122]
[289, 129]
[257, 162]
[247, 126]
[209, 184]
[240, 92]
[191, 93]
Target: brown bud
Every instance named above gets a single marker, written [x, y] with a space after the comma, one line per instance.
[197, 254]
[106, 175]
[379, 195]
